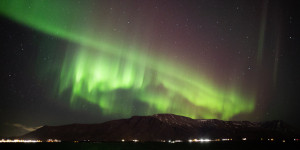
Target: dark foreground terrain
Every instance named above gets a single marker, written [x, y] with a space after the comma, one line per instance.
[153, 146]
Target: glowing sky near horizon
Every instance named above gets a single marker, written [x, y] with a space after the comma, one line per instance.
[117, 70]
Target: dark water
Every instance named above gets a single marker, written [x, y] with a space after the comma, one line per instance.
[151, 146]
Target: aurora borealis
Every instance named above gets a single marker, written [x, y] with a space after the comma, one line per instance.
[98, 70]
[144, 57]
[97, 79]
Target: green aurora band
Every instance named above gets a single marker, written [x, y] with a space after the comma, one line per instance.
[117, 76]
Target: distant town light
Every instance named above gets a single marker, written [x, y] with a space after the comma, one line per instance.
[123, 140]
[244, 139]
[199, 140]
[53, 141]
[19, 141]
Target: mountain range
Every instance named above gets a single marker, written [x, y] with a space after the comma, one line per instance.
[160, 127]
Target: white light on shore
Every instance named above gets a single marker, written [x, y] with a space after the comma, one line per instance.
[204, 140]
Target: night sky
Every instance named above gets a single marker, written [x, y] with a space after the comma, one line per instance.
[90, 61]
